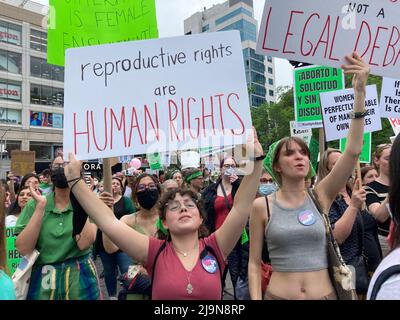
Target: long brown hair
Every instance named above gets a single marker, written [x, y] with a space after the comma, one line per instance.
[3, 259]
[170, 195]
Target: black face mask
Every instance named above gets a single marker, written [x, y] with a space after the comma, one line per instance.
[147, 198]
[59, 179]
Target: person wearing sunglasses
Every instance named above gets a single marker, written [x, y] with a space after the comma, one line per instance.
[145, 194]
[183, 270]
[114, 260]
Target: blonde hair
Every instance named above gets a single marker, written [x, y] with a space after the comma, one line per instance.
[378, 153]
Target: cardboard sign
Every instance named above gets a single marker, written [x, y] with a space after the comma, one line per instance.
[85, 23]
[337, 105]
[395, 123]
[324, 32]
[365, 156]
[153, 96]
[22, 162]
[308, 82]
[390, 98]
[12, 254]
[303, 133]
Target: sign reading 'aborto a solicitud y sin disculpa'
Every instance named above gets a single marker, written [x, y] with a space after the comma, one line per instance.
[309, 82]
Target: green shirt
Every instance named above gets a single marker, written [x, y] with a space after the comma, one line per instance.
[55, 242]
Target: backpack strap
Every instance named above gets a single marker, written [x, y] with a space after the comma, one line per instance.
[162, 247]
[386, 274]
[211, 250]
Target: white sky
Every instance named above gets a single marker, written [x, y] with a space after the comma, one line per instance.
[172, 13]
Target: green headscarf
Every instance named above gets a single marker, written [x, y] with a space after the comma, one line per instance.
[193, 176]
[270, 158]
[171, 173]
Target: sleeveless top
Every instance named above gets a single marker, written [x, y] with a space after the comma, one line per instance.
[296, 238]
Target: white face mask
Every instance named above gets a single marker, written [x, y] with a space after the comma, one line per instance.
[266, 189]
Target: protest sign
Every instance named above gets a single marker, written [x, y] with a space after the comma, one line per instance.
[336, 108]
[190, 159]
[22, 162]
[308, 82]
[395, 123]
[165, 159]
[324, 32]
[85, 23]
[303, 133]
[365, 156]
[390, 98]
[159, 95]
[154, 161]
[12, 254]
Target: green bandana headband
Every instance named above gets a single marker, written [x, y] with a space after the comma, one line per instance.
[160, 226]
[193, 176]
[270, 158]
[170, 175]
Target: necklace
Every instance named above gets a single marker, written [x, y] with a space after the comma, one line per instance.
[189, 287]
[185, 254]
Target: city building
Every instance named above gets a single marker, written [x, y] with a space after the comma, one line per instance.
[31, 91]
[239, 15]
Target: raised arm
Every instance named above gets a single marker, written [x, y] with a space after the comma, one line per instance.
[128, 240]
[257, 226]
[228, 234]
[329, 187]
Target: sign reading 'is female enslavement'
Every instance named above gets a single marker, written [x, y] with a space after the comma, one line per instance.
[324, 32]
[157, 95]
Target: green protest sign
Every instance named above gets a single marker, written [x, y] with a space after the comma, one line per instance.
[314, 151]
[85, 23]
[13, 256]
[365, 156]
[154, 161]
[308, 83]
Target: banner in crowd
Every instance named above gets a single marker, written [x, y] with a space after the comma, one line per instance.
[390, 98]
[22, 162]
[86, 23]
[365, 156]
[308, 82]
[159, 95]
[324, 32]
[336, 109]
[303, 133]
[12, 254]
[45, 119]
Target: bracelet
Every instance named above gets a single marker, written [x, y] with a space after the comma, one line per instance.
[259, 158]
[72, 180]
[76, 181]
[358, 115]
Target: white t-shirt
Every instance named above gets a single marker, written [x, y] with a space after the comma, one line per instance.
[11, 221]
[390, 289]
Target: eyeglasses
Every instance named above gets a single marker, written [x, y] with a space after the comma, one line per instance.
[141, 187]
[229, 166]
[175, 205]
[264, 180]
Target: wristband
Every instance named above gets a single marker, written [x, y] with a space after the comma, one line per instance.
[259, 158]
[358, 115]
[76, 181]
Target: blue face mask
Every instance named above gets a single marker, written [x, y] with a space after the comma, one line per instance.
[266, 189]
[229, 172]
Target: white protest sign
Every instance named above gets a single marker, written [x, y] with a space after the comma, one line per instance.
[190, 159]
[324, 32]
[166, 159]
[395, 123]
[336, 106]
[157, 95]
[303, 133]
[390, 98]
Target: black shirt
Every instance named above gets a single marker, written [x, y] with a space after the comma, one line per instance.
[376, 193]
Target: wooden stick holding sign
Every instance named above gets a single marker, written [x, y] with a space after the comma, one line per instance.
[107, 174]
[321, 142]
[358, 172]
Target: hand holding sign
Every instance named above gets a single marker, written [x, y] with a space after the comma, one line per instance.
[73, 169]
[358, 196]
[359, 69]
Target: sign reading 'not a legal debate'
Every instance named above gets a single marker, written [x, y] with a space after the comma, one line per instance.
[323, 32]
[156, 96]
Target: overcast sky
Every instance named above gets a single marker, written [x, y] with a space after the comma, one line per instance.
[172, 13]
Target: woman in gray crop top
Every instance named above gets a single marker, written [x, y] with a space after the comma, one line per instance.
[294, 230]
